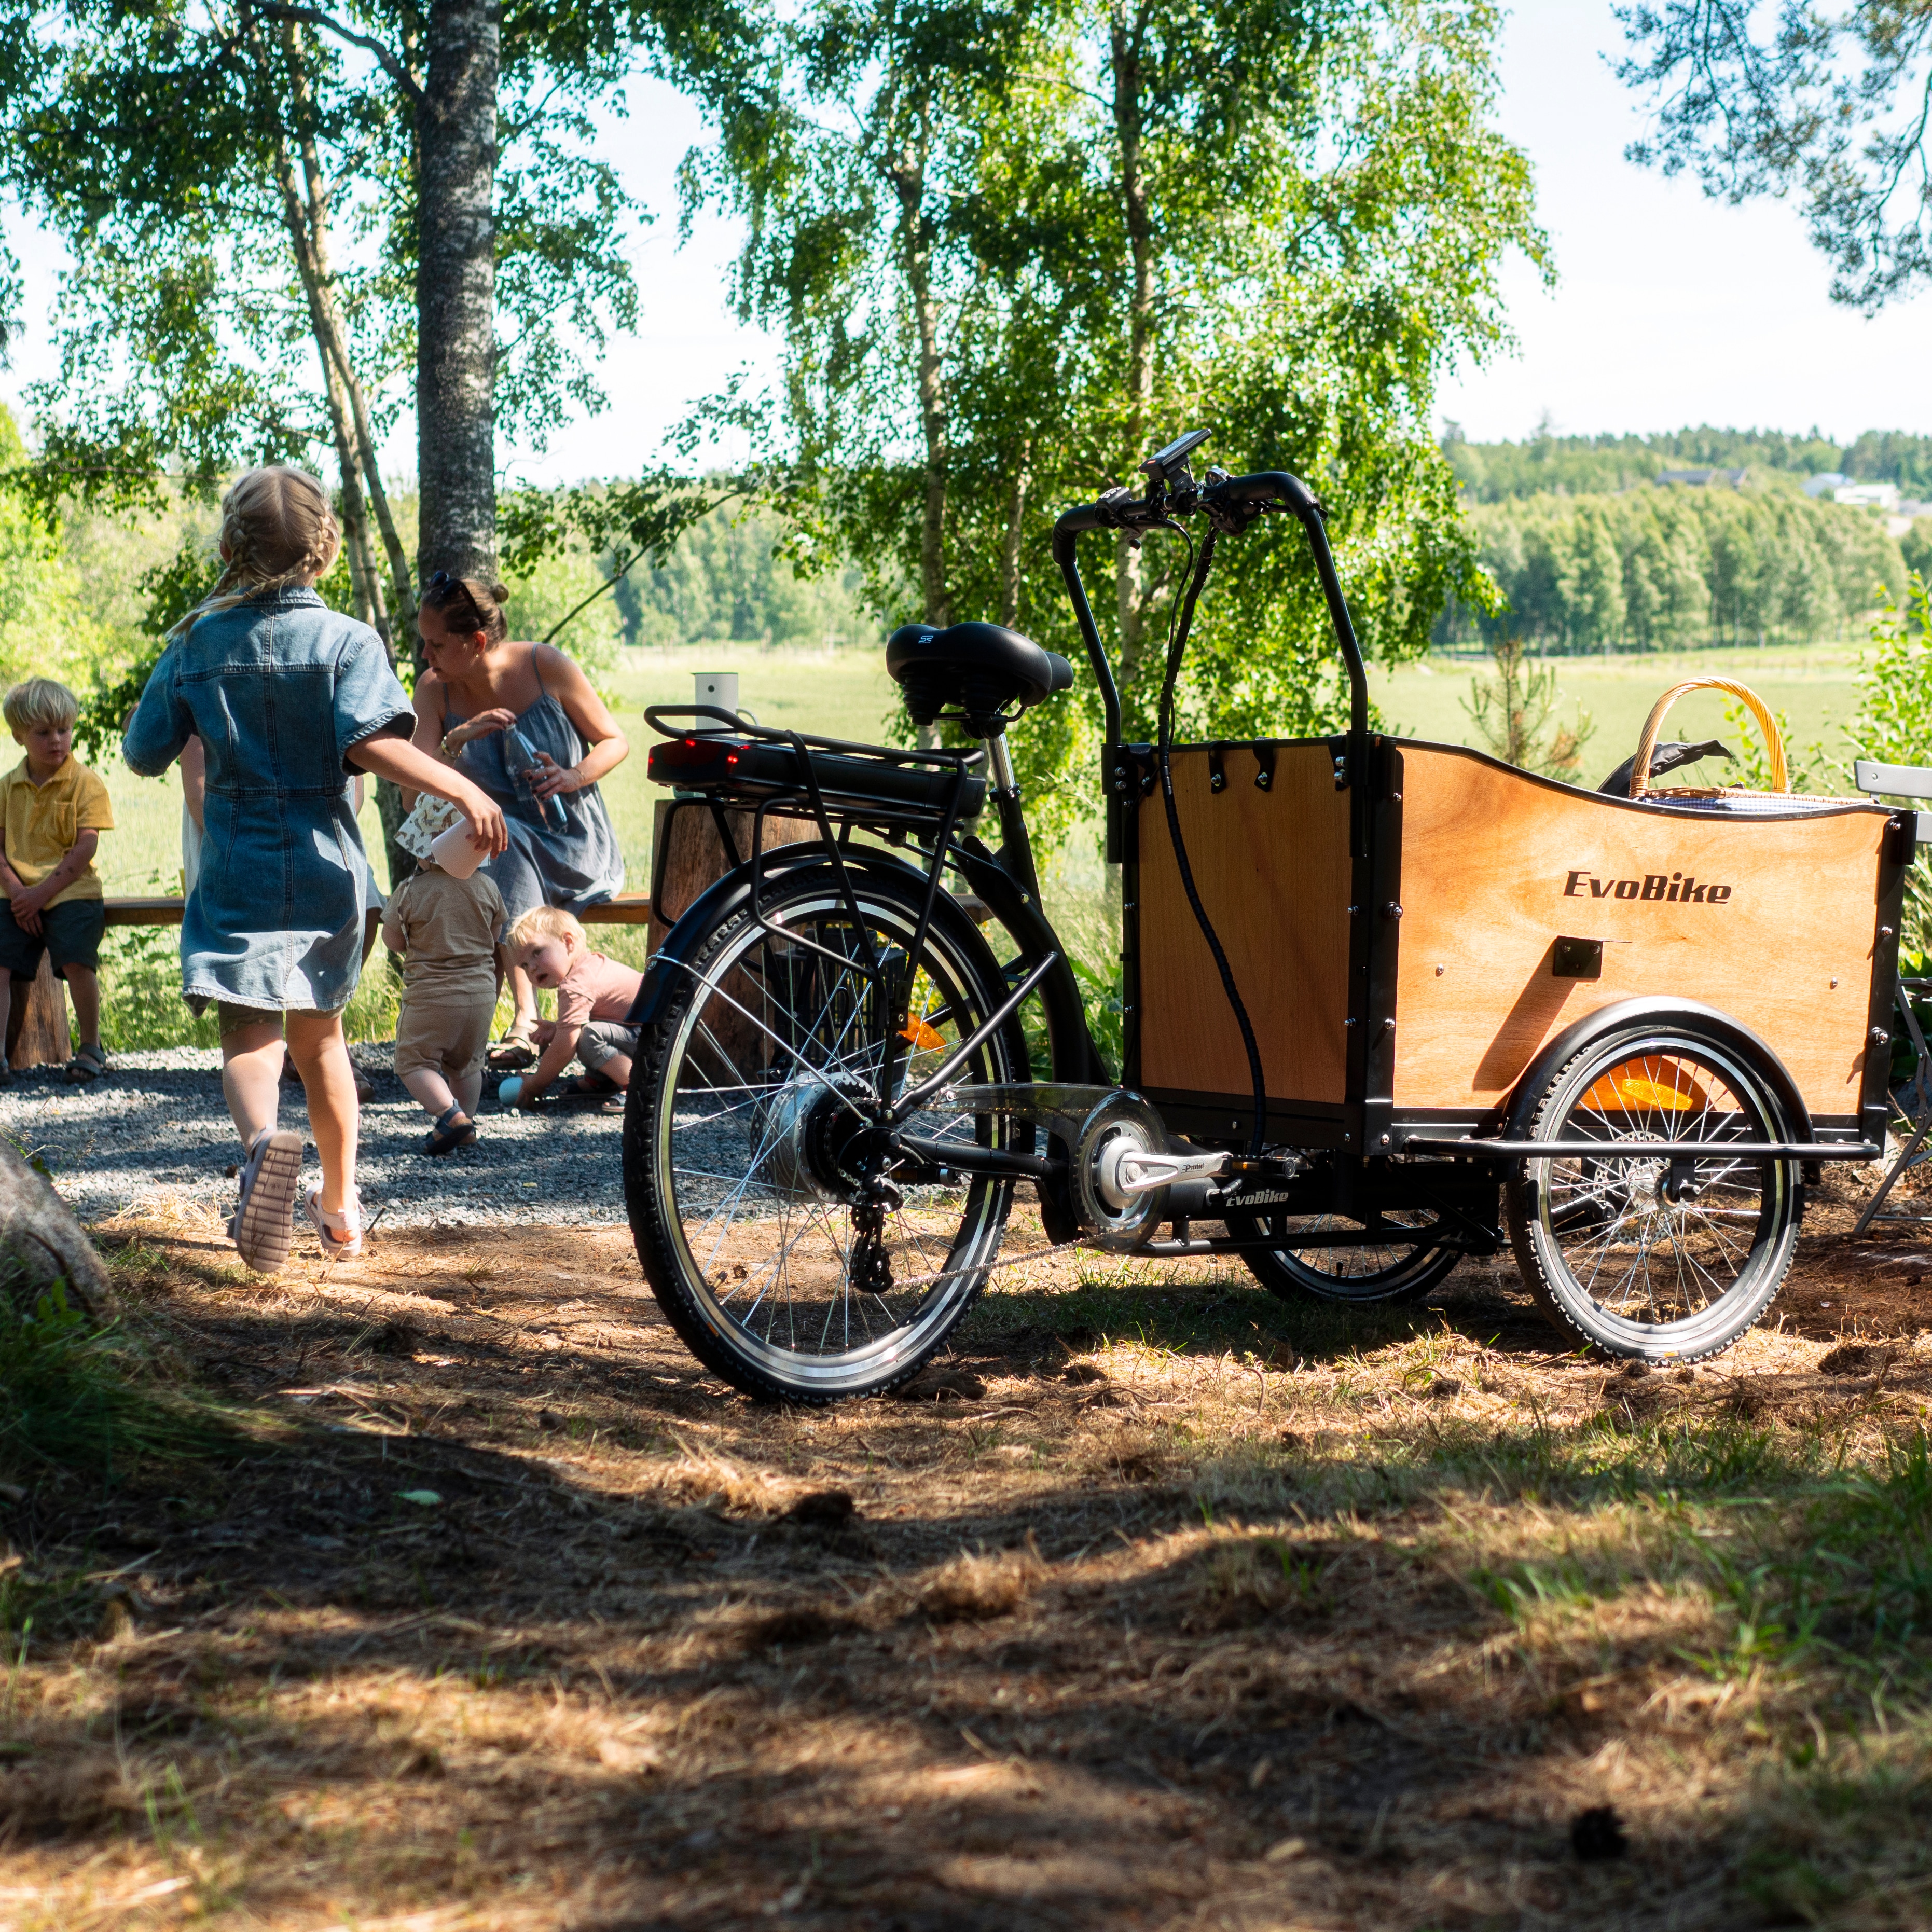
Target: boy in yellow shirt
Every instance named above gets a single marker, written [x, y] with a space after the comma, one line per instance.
[52, 812]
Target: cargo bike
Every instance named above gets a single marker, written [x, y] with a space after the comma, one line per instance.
[1388, 1004]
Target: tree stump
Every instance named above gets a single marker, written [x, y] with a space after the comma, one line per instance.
[41, 1243]
[680, 870]
[36, 1029]
[695, 857]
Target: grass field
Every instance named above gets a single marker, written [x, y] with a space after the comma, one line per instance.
[1813, 684]
[846, 694]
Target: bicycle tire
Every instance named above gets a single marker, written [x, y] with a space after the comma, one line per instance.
[775, 1114]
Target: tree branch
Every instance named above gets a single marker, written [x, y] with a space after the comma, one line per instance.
[313, 16]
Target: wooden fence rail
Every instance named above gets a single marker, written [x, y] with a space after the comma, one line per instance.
[38, 1033]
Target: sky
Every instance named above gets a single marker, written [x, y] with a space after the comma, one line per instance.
[1670, 309]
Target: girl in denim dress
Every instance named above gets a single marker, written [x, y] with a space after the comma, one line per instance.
[290, 699]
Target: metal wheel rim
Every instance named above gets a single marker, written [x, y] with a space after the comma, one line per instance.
[1704, 1252]
[1383, 1265]
[965, 1256]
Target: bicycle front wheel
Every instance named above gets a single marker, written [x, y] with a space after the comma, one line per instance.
[768, 1227]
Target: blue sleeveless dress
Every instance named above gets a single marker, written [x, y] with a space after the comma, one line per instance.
[572, 868]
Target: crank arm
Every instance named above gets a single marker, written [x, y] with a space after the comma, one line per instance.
[1134, 1171]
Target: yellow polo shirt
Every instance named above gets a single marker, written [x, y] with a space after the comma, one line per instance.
[42, 821]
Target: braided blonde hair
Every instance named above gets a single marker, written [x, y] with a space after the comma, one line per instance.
[277, 529]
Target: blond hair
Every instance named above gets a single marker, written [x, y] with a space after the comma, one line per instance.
[544, 921]
[276, 529]
[39, 701]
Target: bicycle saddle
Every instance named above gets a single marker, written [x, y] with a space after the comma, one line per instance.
[972, 671]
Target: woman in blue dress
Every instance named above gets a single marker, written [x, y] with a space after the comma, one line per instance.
[480, 693]
[290, 699]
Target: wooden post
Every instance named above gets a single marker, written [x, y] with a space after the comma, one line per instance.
[37, 1029]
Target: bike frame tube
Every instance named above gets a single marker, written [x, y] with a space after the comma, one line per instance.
[1238, 498]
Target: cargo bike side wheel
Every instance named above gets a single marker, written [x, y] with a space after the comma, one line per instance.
[769, 1225]
[1400, 1259]
[1659, 1256]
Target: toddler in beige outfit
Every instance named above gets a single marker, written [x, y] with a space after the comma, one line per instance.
[449, 931]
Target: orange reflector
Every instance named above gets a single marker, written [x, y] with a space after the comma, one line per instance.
[920, 1034]
[1639, 1087]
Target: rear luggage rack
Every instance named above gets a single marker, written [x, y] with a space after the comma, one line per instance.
[750, 765]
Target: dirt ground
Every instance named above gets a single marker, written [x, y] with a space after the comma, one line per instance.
[1159, 1603]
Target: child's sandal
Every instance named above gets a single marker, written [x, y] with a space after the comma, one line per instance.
[514, 1053]
[454, 1128]
[341, 1234]
[87, 1066]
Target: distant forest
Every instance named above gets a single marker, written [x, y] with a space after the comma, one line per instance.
[728, 580]
[1592, 551]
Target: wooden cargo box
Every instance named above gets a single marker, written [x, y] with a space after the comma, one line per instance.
[1524, 905]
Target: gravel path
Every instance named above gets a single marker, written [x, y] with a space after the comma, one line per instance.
[154, 1136]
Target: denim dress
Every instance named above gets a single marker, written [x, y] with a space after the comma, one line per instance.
[279, 689]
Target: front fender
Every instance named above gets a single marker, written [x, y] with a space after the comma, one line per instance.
[1654, 1009]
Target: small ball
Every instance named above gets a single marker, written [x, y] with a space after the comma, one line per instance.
[510, 1092]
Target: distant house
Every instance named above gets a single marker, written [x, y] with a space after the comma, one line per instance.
[1824, 482]
[1869, 497]
[1704, 479]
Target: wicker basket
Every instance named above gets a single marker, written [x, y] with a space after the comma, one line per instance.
[1779, 801]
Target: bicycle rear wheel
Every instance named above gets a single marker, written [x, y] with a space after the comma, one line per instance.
[765, 1222]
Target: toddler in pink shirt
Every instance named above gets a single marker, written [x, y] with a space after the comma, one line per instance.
[594, 997]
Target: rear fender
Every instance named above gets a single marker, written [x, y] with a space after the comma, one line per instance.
[1654, 1010]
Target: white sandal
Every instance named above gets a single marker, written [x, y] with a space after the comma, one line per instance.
[341, 1234]
[263, 1222]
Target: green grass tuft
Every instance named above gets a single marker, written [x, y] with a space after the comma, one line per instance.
[74, 1396]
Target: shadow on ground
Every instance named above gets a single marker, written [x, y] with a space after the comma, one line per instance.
[1158, 1603]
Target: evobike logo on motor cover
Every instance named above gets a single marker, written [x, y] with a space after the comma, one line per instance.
[1676, 889]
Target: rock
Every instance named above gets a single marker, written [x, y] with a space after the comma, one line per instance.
[42, 1243]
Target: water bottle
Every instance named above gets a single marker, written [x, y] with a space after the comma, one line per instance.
[550, 809]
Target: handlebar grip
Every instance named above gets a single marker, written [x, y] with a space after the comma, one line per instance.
[1077, 521]
[1266, 486]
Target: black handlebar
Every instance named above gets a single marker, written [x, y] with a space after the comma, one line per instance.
[1230, 502]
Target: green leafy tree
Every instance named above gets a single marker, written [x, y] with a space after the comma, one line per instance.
[1893, 723]
[1676, 569]
[1000, 281]
[1513, 710]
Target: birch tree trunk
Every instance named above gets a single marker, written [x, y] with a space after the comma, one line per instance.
[1010, 542]
[908, 180]
[400, 605]
[456, 271]
[1130, 589]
